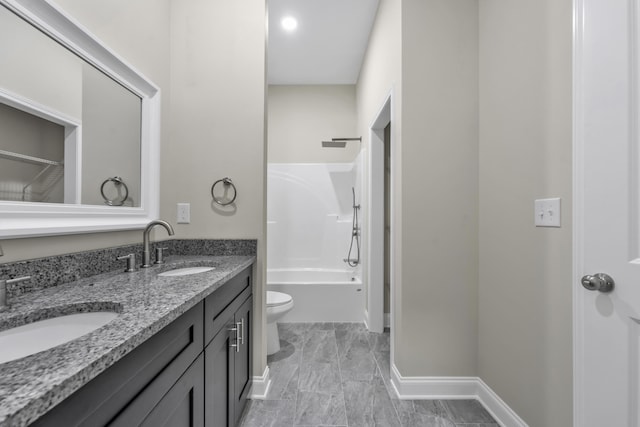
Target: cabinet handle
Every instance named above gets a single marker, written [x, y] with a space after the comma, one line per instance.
[237, 338]
[236, 343]
[241, 331]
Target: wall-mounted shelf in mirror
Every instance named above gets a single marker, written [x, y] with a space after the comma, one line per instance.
[70, 101]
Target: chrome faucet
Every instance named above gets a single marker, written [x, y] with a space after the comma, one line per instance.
[4, 300]
[146, 253]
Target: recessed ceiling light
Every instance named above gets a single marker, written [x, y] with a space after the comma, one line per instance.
[289, 23]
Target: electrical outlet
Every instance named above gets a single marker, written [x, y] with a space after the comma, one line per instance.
[547, 212]
[184, 213]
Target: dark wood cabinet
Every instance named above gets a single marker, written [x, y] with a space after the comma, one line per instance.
[194, 372]
[228, 361]
[134, 385]
[242, 370]
[228, 370]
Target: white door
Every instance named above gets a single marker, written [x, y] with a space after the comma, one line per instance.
[607, 212]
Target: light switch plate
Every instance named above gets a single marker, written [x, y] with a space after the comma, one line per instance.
[184, 213]
[547, 212]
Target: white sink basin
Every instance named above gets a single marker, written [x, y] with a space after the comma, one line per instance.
[185, 271]
[35, 337]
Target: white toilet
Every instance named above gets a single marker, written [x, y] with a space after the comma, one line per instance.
[278, 304]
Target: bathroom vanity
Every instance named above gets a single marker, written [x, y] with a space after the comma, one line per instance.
[179, 352]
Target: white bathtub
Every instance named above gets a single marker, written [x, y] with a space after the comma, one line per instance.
[320, 295]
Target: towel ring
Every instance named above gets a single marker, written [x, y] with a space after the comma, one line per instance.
[117, 182]
[227, 182]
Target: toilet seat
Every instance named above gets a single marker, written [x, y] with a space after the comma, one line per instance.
[275, 299]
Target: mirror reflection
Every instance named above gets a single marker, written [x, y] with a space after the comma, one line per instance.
[68, 132]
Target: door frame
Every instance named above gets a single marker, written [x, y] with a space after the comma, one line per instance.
[580, 65]
[375, 218]
[578, 210]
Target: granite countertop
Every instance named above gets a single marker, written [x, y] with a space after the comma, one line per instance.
[146, 303]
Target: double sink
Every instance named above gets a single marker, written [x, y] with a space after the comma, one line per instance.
[29, 337]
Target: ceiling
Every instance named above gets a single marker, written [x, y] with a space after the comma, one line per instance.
[328, 45]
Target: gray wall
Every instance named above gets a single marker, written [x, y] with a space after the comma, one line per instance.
[217, 120]
[302, 116]
[380, 77]
[525, 332]
[436, 314]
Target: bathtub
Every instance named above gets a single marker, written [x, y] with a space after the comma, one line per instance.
[320, 295]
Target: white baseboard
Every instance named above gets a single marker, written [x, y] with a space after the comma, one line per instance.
[497, 407]
[418, 388]
[387, 320]
[260, 385]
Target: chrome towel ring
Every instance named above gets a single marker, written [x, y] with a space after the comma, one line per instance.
[227, 183]
[117, 182]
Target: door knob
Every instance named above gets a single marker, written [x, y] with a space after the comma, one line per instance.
[598, 282]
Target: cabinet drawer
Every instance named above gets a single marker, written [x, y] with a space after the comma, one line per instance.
[224, 301]
[168, 353]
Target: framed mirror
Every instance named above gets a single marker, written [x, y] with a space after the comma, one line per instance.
[79, 129]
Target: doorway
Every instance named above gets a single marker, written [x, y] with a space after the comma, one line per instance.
[380, 247]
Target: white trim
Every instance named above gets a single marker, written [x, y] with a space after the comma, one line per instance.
[578, 202]
[497, 407]
[23, 219]
[375, 219]
[260, 385]
[426, 388]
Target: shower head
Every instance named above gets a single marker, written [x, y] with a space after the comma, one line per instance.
[334, 144]
[339, 142]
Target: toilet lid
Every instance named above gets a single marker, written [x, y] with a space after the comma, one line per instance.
[277, 298]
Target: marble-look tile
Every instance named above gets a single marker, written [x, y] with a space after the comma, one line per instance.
[320, 346]
[429, 407]
[467, 411]
[421, 420]
[268, 413]
[284, 381]
[358, 363]
[334, 364]
[427, 413]
[314, 408]
[320, 377]
[368, 404]
[293, 334]
[320, 326]
[379, 342]
[478, 425]
[351, 336]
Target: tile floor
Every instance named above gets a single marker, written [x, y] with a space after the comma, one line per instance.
[337, 374]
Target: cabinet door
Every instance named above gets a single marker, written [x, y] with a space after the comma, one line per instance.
[183, 405]
[180, 406]
[138, 380]
[219, 366]
[243, 367]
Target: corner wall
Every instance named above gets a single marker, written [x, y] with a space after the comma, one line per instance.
[436, 314]
[217, 119]
[380, 77]
[525, 304]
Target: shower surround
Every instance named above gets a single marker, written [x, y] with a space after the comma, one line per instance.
[309, 226]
